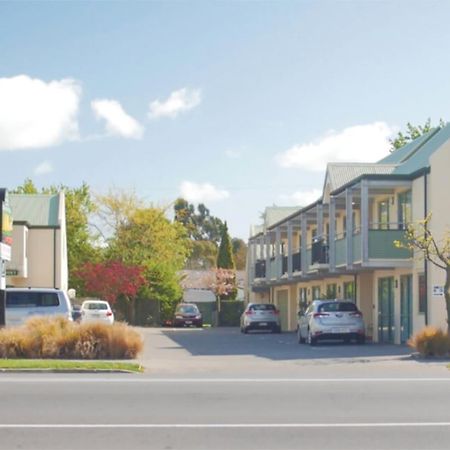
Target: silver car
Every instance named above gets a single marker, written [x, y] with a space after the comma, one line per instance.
[260, 316]
[331, 319]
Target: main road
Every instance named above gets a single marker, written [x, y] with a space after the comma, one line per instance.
[383, 400]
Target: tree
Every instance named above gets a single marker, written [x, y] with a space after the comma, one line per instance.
[412, 132]
[225, 255]
[148, 239]
[419, 237]
[111, 280]
[239, 253]
[203, 255]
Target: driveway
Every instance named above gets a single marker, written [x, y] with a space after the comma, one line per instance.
[227, 352]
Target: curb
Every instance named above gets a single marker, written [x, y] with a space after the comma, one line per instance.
[68, 371]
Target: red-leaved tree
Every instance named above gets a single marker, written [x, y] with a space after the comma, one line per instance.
[111, 280]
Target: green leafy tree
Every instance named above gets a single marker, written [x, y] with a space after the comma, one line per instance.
[203, 255]
[225, 258]
[239, 253]
[147, 238]
[412, 132]
[418, 237]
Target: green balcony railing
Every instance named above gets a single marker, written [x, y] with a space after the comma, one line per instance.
[381, 245]
[341, 251]
[356, 247]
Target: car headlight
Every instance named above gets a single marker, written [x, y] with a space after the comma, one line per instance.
[198, 317]
[178, 317]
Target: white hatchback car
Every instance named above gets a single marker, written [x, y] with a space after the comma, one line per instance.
[96, 311]
[331, 319]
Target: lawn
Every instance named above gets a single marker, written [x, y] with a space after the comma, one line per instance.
[60, 364]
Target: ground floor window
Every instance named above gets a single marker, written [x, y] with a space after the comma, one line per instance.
[350, 291]
[316, 293]
[331, 290]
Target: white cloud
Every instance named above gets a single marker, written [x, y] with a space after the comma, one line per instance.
[43, 168]
[233, 154]
[118, 122]
[361, 143]
[301, 198]
[198, 193]
[34, 113]
[178, 102]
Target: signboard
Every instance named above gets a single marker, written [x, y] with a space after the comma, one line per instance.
[6, 224]
[438, 291]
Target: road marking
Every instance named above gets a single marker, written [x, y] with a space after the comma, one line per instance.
[227, 425]
[132, 379]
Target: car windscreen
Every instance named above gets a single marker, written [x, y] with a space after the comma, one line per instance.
[102, 306]
[337, 307]
[262, 307]
[31, 299]
[189, 309]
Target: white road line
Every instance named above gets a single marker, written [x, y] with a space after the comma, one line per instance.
[227, 425]
[131, 379]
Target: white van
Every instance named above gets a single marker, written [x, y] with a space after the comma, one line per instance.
[23, 303]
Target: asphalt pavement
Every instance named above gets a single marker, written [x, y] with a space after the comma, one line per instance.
[218, 389]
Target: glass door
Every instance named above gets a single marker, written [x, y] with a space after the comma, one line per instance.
[386, 310]
[405, 307]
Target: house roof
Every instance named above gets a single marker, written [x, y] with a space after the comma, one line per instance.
[275, 214]
[37, 210]
[340, 174]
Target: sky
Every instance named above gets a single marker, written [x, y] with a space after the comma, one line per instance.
[236, 104]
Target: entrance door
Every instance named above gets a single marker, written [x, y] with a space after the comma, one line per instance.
[386, 310]
[405, 307]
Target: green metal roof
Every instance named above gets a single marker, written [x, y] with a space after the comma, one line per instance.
[38, 210]
[275, 214]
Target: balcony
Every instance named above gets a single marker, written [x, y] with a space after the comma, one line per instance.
[319, 252]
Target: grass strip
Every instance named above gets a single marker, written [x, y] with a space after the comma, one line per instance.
[61, 364]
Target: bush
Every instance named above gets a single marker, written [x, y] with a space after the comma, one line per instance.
[431, 341]
[56, 337]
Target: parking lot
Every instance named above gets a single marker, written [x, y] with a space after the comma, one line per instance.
[227, 352]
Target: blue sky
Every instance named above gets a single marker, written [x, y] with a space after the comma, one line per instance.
[238, 104]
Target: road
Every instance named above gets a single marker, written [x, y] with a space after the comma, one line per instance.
[379, 401]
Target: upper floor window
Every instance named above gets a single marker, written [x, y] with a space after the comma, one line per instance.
[383, 215]
[404, 210]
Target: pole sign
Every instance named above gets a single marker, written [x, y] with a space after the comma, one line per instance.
[6, 222]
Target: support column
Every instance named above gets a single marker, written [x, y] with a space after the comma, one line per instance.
[253, 259]
[278, 261]
[364, 221]
[289, 250]
[303, 259]
[319, 210]
[349, 227]
[267, 238]
[332, 236]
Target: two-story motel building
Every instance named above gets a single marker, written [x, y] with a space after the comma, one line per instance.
[342, 246]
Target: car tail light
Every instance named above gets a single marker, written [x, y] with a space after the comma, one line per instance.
[249, 312]
[356, 314]
[275, 311]
[319, 315]
[109, 313]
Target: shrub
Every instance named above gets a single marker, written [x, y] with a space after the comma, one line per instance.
[56, 337]
[431, 341]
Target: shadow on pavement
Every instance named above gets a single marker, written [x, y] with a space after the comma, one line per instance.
[230, 341]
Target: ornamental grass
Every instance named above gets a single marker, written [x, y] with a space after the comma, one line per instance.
[57, 338]
[431, 341]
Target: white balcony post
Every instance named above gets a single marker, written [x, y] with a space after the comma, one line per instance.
[289, 250]
[319, 211]
[332, 236]
[349, 226]
[364, 221]
[268, 256]
[303, 258]
[278, 261]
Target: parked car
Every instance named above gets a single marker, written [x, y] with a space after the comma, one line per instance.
[260, 316]
[331, 319]
[96, 311]
[187, 314]
[23, 303]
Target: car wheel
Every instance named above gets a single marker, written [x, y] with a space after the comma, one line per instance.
[277, 330]
[311, 339]
[299, 336]
[245, 330]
